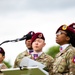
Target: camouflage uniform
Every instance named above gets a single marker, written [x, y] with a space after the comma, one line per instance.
[19, 58]
[3, 66]
[65, 62]
[46, 60]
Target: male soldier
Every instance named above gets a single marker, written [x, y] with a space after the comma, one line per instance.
[64, 63]
[2, 56]
[38, 42]
[27, 51]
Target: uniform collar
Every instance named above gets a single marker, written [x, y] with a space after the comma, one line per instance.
[63, 47]
[36, 53]
[28, 50]
[1, 65]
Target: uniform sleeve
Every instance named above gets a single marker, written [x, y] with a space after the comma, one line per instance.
[71, 62]
[50, 65]
[15, 63]
[4, 66]
[17, 60]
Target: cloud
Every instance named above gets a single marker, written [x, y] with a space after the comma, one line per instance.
[36, 5]
[18, 17]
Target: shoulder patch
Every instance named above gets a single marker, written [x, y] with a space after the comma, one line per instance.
[73, 59]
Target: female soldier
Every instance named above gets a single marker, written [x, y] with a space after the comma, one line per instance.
[64, 63]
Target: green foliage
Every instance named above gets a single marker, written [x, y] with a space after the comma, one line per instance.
[7, 64]
[53, 51]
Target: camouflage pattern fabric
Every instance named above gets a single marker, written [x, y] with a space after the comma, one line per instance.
[64, 63]
[19, 58]
[45, 59]
[3, 66]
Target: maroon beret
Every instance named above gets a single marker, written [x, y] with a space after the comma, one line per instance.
[72, 26]
[38, 35]
[2, 51]
[65, 28]
[29, 35]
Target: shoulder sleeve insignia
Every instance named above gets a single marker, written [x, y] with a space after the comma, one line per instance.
[73, 60]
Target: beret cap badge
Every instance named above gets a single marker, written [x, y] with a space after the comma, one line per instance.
[40, 36]
[64, 27]
[31, 33]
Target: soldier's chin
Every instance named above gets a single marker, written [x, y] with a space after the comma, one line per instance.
[37, 50]
[57, 42]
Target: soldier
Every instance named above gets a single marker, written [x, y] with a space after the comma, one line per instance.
[2, 56]
[64, 63]
[38, 42]
[27, 51]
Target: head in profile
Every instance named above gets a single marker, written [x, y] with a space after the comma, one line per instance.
[65, 35]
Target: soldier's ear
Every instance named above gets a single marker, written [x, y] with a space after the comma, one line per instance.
[67, 38]
[44, 44]
[3, 57]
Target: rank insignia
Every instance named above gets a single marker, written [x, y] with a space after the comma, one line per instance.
[64, 27]
[73, 60]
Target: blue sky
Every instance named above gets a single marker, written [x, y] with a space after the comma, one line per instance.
[18, 17]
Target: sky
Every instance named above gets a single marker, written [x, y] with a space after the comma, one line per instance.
[18, 17]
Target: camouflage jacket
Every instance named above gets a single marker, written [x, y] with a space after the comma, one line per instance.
[3, 66]
[45, 59]
[64, 63]
[19, 58]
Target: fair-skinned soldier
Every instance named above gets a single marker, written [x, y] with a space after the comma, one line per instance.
[38, 42]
